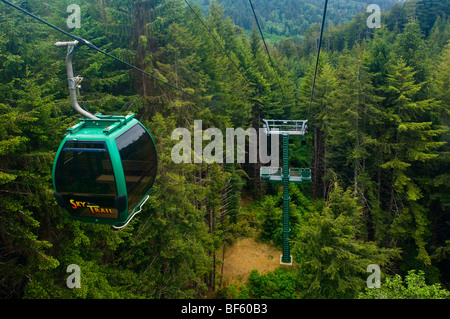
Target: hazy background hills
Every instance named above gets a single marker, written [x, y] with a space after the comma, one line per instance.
[291, 18]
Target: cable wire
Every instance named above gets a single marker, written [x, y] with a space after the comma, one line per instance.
[265, 45]
[260, 31]
[318, 53]
[215, 39]
[92, 46]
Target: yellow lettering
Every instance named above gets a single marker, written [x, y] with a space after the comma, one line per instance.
[91, 207]
[76, 204]
[94, 209]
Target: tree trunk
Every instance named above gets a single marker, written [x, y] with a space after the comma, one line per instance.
[318, 165]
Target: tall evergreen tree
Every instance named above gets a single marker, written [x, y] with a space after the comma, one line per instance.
[318, 117]
[331, 256]
[408, 140]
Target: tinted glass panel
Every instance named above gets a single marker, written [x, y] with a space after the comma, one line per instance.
[139, 161]
[85, 168]
[85, 178]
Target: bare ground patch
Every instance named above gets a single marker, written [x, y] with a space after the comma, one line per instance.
[244, 256]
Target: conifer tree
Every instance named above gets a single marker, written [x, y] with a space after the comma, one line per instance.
[331, 257]
[350, 140]
[318, 117]
[408, 140]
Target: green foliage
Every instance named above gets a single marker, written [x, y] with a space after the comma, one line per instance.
[410, 141]
[378, 146]
[270, 218]
[233, 291]
[412, 287]
[280, 284]
[331, 256]
[286, 18]
[269, 215]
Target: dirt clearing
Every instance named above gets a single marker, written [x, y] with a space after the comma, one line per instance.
[246, 255]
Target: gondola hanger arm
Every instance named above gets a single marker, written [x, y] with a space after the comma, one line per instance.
[73, 81]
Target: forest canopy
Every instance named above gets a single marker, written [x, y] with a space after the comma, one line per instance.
[377, 146]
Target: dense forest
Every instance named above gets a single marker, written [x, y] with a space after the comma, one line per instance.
[377, 145]
[291, 18]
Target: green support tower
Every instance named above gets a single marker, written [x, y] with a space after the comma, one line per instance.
[285, 175]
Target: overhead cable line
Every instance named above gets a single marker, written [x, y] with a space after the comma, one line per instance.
[216, 40]
[260, 31]
[318, 53]
[92, 46]
[265, 45]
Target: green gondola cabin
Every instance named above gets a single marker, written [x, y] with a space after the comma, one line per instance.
[104, 169]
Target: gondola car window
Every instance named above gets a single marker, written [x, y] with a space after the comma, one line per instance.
[138, 155]
[85, 168]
